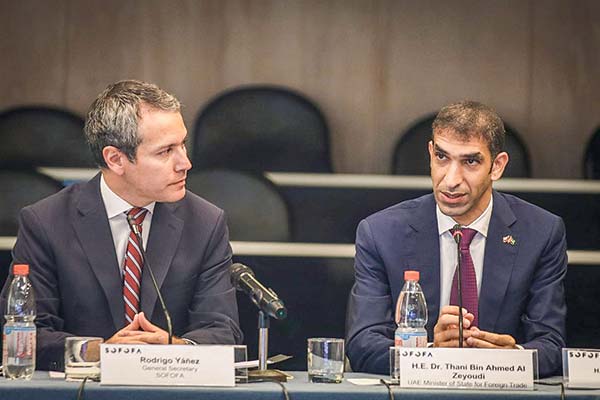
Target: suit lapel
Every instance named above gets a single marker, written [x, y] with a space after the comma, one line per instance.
[498, 262]
[165, 233]
[427, 245]
[93, 230]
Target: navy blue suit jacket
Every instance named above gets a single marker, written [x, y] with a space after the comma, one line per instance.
[66, 240]
[521, 293]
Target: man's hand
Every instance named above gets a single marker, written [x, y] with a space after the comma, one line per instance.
[445, 332]
[121, 337]
[142, 331]
[489, 340]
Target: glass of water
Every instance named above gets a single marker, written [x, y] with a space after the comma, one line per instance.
[395, 364]
[82, 357]
[325, 360]
[240, 355]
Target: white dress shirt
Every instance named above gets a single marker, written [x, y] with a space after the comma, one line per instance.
[116, 208]
[448, 256]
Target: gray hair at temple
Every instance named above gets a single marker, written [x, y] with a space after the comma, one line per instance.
[113, 117]
[469, 119]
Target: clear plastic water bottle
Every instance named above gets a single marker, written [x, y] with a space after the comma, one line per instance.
[411, 313]
[18, 353]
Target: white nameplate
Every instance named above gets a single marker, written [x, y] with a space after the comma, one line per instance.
[581, 368]
[166, 365]
[478, 369]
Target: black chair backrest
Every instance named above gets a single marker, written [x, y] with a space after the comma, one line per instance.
[262, 128]
[19, 189]
[255, 210]
[412, 158]
[591, 161]
[43, 136]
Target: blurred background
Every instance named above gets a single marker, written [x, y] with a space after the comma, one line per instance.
[374, 67]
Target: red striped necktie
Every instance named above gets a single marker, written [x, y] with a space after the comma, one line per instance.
[469, 280]
[134, 262]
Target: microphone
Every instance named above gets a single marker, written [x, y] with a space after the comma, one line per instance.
[457, 235]
[242, 277]
[138, 233]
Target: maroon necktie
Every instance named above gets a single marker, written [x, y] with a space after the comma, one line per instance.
[469, 280]
[132, 269]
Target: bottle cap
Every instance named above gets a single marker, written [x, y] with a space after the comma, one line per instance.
[21, 269]
[411, 275]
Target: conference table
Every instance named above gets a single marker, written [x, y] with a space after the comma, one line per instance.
[41, 387]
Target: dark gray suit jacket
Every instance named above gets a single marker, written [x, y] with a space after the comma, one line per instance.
[67, 242]
[522, 290]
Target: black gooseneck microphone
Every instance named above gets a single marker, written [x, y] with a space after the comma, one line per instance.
[242, 277]
[457, 235]
[269, 305]
[136, 231]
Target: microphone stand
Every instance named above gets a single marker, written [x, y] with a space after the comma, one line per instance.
[457, 239]
[262, 373]
[263, 340]
[136, 231]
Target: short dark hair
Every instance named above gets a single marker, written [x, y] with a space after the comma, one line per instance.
[113, 117]
[470, 118]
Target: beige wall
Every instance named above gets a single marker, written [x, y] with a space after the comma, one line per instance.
[373, 66]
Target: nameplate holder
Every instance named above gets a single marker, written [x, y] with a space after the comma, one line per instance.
[167, 365]
[467, 368]
[581, 368]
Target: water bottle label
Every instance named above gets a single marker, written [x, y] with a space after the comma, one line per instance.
[19, 342]
[410, 339]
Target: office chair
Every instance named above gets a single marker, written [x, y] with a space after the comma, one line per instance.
[21, 187]
[43, 136]
[411, 156]
[262, 128]
[255, 209]
[591, 157]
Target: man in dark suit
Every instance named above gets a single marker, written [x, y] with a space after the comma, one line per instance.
[82, 252]
[518, 252]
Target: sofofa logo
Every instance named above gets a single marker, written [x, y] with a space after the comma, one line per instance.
[122, 350]
[416, 353]
[584, 354]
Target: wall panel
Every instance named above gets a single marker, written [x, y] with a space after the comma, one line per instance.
[565, 84]
[33, 49]
[374, 66]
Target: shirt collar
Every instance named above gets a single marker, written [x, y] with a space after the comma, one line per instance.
[114, 204]
[481, 224]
